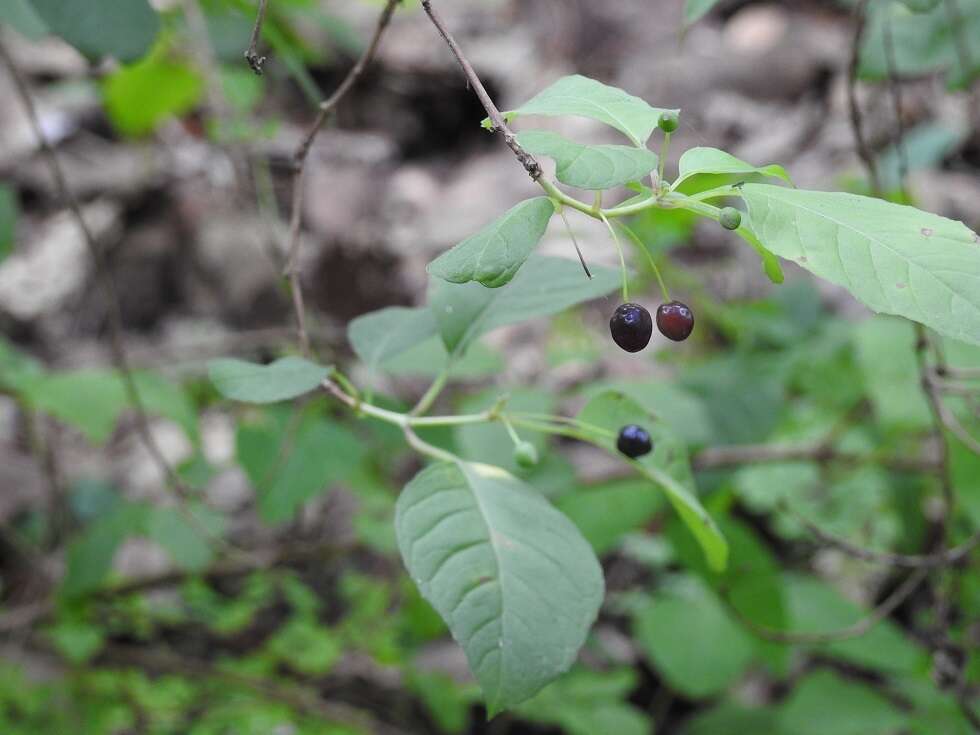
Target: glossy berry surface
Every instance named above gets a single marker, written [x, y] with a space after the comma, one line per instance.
[668, 121]
[675, 320]
[634, 441]
[730, 218]
[525, 455]
[631, 327]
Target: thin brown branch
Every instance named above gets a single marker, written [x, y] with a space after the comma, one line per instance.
[528, 161]
[34, 612]
[941, 414]
[858, 629]
[857, 122]
[895, 90]
[106, 282]
[299, 161]
[723, 457]
[945, 558]
[251, 53]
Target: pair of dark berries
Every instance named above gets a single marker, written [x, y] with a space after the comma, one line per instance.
[631, 325]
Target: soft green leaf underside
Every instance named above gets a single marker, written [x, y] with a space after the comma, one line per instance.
[512, 577]
[544, 286]
[494, 255]
[385, 333]
[583, 97]
[701, 168]
[100, 28]
[594, 167]
[667, 465]
[896, 259]
[281, 380]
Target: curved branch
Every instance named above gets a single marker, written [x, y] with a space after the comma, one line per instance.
[528, 161]
[291, 270]
[879, 613]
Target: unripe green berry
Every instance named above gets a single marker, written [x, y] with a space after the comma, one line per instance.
[668, 121]
[731, 218]
[525, 455]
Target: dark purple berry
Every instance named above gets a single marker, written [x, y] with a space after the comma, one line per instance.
[631, 327]
[675, 320]
[634, 441]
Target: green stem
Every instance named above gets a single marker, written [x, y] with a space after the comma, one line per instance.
[680, 201]
[721, 191]
[653, 264]
[663, 157]
[622, 258]
[423, 447]
[629, 209]
[510, 430]
[426, 401]
[555, 193]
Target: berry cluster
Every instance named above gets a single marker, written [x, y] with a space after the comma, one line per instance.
[631, 325]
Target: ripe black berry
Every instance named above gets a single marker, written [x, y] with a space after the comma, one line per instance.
[631, 327]
[730, 218]
[634, 441]
[675, 320]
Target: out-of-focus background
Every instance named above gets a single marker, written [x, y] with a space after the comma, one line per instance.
[271, 599]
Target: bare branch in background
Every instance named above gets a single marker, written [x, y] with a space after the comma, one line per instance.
[106, 282]
[251, 53]
[299, 160]
[528, 161]
[858, 629]
[895, 90]
[712, 458]
[857, 124]
[945, 558]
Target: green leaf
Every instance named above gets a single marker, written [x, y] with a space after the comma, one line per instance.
[815, 607]
[728, 718]
[688, 635]
[824, 702]
[588, 703]
[695, 10]
[489, 442]
[667, 465]
[896, 259]
[885, 349]
[140, 97]
[387, 333]
[770, 263]
[93, 400]
[605, 513]
[544, 286]
[182, 538]
[305, 646]
[90, 554]
[429, 358]
[596, 167]
[584, 97]
[20, 14]
[8, 220]
[77, 641]
[289, 465]
[495, 254]
[98, 28]
[702, 168]
[514, 580]
[281, 380]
